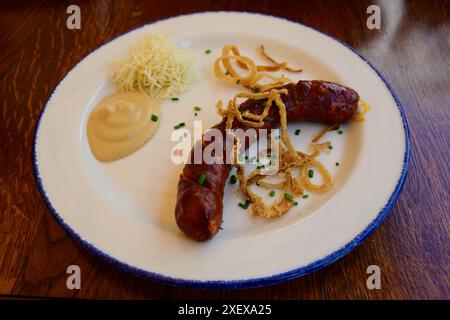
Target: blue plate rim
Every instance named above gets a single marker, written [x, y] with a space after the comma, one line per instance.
[244, 283]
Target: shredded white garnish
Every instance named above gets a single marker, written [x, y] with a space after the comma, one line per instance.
[155, 66]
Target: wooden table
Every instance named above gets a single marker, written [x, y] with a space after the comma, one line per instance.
[412, 50]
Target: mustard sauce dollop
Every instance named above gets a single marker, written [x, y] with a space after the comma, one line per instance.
[121, 124]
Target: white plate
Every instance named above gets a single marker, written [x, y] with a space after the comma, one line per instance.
[124, 210]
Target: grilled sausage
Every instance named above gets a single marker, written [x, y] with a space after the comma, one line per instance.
[199, 208]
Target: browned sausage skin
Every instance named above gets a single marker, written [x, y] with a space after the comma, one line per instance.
[198, 211]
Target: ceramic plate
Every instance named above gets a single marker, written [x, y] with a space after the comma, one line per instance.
[124, 210]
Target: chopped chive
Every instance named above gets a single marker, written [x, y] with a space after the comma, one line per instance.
[233, 179]
[175, 98]
[202, 179]
[305, 196]
[297, 132]
[295, 203]
[256, 90]
[260, 167]
[264, 102]
[227, 73]
[208, 51]
[154, 117]
[268, 119]
[288, 197]
[196, 114]
[340, 131]
[180, 125]
[272, 193]
[337, 164]
[197, 108]
[310, 173]
[238, 80]
[244, 205]
[330, 147]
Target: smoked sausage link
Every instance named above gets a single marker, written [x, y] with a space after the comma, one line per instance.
[198, 210]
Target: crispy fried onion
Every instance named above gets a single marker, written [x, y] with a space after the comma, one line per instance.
[224, 70]
[293, 165]
[281, 65]
[324, 147]
[291, 184]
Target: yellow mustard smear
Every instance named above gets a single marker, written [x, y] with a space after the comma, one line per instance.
[361, 112]
[121, 124]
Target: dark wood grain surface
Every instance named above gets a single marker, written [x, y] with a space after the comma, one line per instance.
[412, 50]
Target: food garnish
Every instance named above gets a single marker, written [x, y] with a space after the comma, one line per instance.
[289, 158]
[156, 66]
[202, 179]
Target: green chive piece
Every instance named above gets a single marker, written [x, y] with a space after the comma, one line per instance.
[264, 103]
[260, 167]
[272, 193]
[202, 179]
[227, 73]
[244, 205]
[180, 125]
[330, 147]
[208, 51]
[256, 90]
[340, 131]
[197, 108]
[295, 203]
[195, 114]
[233, 179]
[310, 173]
[268, 119]
[271, 162]
[305, 196]
[288, 197]
[154, 117]
[238, 80]
[337, 164]
[297, 132]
